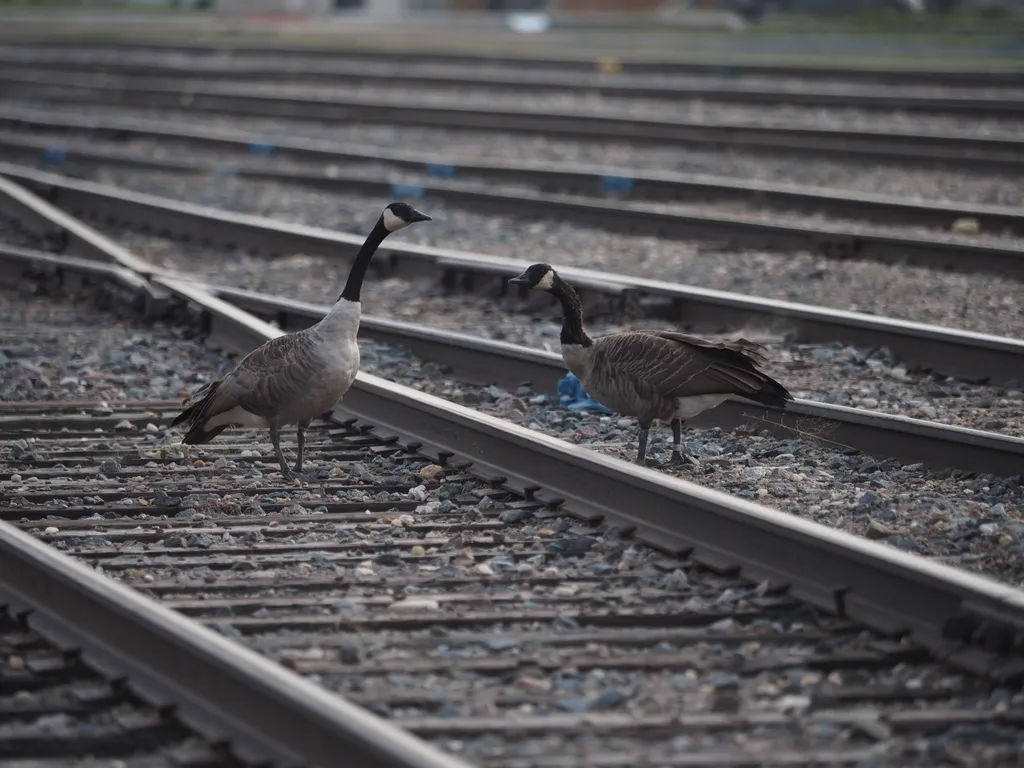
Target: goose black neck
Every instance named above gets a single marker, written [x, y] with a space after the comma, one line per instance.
[572, 314]
[359, 266]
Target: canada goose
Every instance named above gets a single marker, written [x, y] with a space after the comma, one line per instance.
[294, 378]
[652, 375]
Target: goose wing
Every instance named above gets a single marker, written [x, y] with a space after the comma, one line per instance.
[266, 379]
[669, 364]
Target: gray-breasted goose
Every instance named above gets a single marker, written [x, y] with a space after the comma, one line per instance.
[652, 375]
[294, 378]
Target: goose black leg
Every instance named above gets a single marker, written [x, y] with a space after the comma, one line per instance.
[679, 454]
[297, 473]
[302, 444]
[641, 452]
[275, 439]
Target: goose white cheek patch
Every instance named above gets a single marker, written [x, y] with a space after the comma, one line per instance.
[393, 222]
[545, 283]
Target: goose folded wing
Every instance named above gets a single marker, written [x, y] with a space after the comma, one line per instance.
[751, 350]
[267, 377]
[663, 365]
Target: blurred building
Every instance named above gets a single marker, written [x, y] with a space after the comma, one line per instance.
[747, 8]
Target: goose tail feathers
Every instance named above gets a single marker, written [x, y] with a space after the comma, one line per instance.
[194, 415]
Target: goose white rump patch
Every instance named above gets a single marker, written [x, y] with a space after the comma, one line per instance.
[236, 417]
[688, 407]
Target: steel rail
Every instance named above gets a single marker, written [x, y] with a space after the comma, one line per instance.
[661, 66]
[215, 686]
[486, 361]
[973, 623]
[960, 149]
[612, 86]
[622, 183]
[963, 354]
[969, 621]
[837, 241]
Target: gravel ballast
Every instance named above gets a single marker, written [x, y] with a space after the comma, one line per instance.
[450, 145]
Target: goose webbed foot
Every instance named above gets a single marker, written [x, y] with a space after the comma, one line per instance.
[309, 476]
[679, 455]
[678, 460]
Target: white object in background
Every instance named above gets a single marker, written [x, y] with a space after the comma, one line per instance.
[529, 23]
[384, 9]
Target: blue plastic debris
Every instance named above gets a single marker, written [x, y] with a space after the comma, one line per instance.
[263, 149]
[54, 155]
[226, 172]
[618, 185]
[574, 396]
[406, 190]
[441, 170]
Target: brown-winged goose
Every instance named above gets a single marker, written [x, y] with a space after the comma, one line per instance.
[652, 375]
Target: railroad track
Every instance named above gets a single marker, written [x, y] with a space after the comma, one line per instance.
[621, 183]
[943, 149]
[385, 613]
[962, 354]
[886, 75]
[540, 604]
[515, 81]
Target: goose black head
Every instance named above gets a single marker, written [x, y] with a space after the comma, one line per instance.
[397, 216]
[539, 277]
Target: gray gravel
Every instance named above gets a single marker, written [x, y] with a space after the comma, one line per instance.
[982, 303]
[53, 349]
[452, 144]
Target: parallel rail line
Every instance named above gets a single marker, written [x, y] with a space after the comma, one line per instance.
[887, 75]
[955, 149]
[336, 73]
[837, 241]
[626, 183]
[925, 613]
[966, 355]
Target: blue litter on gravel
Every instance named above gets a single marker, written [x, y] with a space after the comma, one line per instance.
[54, 155]
[621, 185]
[406, 190]
[441, 170]
[261, 148]
[574, 396]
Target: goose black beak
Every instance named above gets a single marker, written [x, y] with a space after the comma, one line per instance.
[523, 279]
[417, 216]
